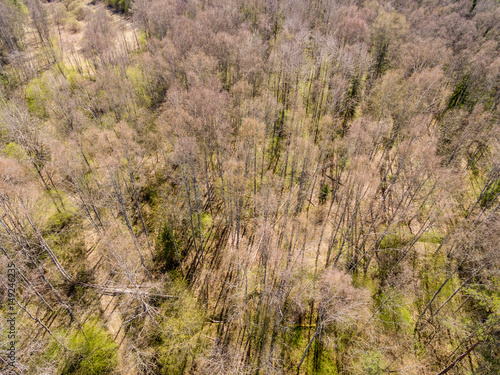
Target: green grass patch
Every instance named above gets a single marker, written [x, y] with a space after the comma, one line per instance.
[432, 237]
[37, 93]
[395, 313]
[14, 151]
[178, 337]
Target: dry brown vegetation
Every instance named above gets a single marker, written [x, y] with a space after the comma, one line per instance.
[251, 187]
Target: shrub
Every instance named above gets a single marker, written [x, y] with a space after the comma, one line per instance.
[79, 13]
[73, 5]
[373, 363]
[122, 6]
[73, 25]
[323, 193]
[37, 92]
[90, 350]
[13, 150]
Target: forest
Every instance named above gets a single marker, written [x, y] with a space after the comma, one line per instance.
[250, 187]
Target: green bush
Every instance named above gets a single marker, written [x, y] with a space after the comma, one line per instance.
[73, 5]
[73, 25]
[373, 363]
[323, 193]
[13, 150]
[37, 92]
[122, 6]
[79, 13]
[90, 351]
[58, 221]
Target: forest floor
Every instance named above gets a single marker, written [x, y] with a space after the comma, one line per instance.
[71, 41]
[71, 46]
